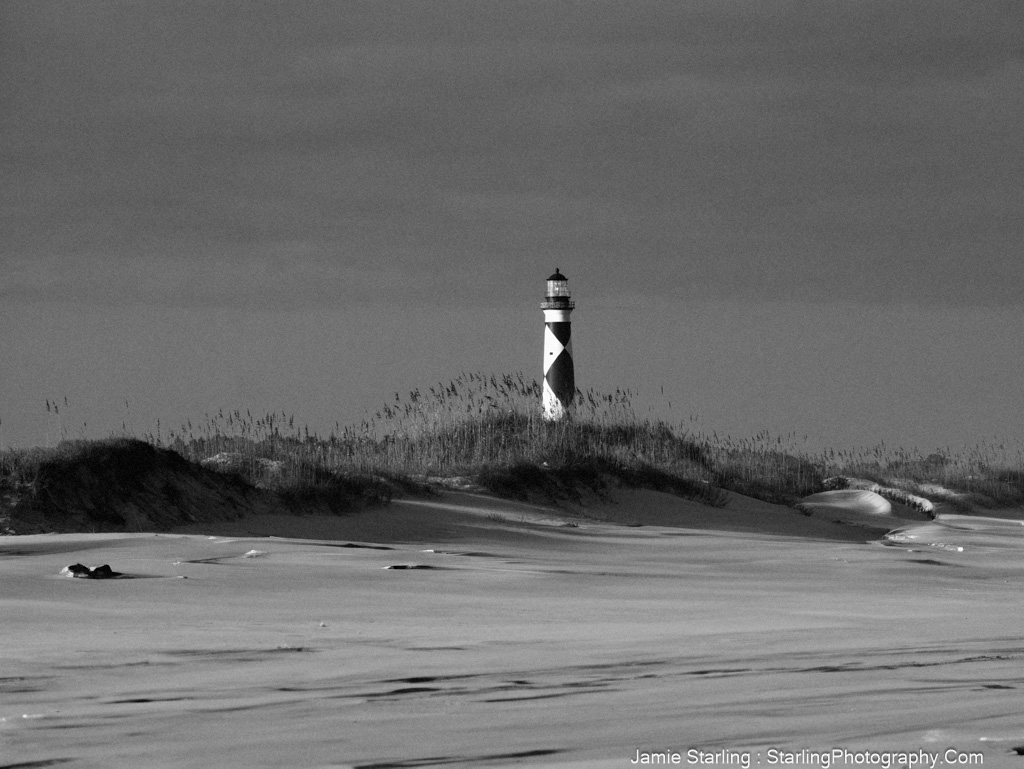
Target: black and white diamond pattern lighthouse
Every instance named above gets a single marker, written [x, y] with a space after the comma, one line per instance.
[559, 375]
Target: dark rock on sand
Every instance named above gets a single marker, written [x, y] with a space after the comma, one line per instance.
[84, 572]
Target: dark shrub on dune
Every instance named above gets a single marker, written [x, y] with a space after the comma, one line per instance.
[123, 484]
[117, 484]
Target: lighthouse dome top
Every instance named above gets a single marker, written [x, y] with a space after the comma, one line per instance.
[557, 297]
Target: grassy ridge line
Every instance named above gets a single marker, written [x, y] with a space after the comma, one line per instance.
[486, 429]
[489, 428]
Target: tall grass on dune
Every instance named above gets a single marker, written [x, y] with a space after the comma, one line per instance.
[979, 476]
[488, 430]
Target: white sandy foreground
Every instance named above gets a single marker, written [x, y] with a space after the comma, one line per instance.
[652, 631]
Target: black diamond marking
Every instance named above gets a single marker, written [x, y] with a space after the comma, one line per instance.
[562, 331]
[561, 377]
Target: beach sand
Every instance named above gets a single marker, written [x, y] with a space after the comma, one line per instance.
[517, 635]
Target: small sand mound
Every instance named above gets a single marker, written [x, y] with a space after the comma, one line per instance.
[846, 501]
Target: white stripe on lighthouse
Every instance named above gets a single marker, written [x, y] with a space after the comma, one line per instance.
[553, 408]
[556, 316]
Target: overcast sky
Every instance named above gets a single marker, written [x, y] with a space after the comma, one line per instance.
[804, 216]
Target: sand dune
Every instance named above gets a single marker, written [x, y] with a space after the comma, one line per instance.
[847, 501]
[527, 636]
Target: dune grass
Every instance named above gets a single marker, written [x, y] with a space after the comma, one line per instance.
[487, 430]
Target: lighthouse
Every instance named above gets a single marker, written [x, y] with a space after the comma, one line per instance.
[559, 377]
